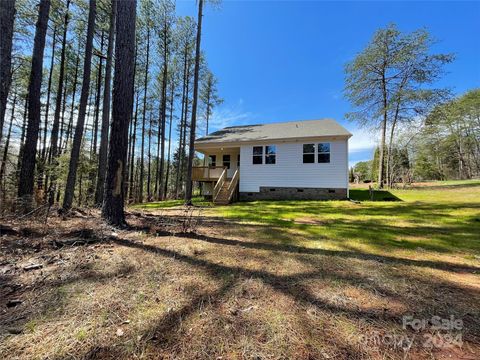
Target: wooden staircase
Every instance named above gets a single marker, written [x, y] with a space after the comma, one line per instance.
[223, 197]
[225, 189]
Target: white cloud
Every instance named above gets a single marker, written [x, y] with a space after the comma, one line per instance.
[362, 140]
[228, 115]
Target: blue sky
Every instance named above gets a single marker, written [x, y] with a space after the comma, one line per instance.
[283, 60]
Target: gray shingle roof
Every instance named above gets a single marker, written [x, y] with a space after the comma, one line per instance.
[282, 130]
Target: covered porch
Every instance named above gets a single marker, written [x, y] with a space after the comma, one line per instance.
[219, 173]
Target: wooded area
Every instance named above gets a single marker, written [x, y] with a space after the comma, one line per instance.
[426, 133]
[73, 140]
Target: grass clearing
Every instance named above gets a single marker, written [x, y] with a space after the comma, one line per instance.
[283, 279]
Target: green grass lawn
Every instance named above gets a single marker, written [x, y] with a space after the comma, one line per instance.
[443, 217]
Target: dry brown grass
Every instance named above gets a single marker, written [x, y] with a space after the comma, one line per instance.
[156, 292]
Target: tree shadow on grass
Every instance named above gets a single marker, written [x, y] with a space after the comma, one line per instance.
[165, 332]
[338, 253]
[398, 225]
[382, 234]
[291, 286]
[278, 282]
[378, 195]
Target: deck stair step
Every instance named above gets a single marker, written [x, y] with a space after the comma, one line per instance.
[223, 195]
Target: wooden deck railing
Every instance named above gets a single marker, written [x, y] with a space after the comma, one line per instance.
[219, 184]
[207, 173]
[232, 187]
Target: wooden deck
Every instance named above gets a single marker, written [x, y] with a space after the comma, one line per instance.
[207, 173]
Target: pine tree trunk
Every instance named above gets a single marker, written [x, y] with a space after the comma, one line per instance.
[383, 135]
[7, 17]
[149, 162]
[162, 147]
[182, 125]
[58, 107]
[102, 155]
[388, 169]
[97, 97]
[133, 179]
[164, 109]
[113, 206]
[157, 167]
[7, 142]
[22, 135]
[129, 154]
[191, 150]
[77, 139]
[165, 190]
[92, 174]
[89, 126]
[62, 118]
[68, 135]
[49, 92]
[185, 130]
[29, 153]
[209, 91]
[142, 152]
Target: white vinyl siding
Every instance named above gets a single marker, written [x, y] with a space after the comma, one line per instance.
[290, 171]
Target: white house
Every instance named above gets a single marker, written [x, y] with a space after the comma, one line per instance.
[288, 160]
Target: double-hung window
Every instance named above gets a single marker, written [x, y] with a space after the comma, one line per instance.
[324, 152]
[257, 155]
[321, 152]
[270, 154]
[308, 153]
[226, 161]
[212, 160]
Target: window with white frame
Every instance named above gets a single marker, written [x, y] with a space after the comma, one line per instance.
[270, 154]
[323, 153]
[257, 155]
[308, 153]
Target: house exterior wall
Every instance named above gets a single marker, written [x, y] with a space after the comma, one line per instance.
[289, 173]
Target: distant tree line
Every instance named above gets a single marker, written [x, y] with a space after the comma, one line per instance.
[445, 145]
[59, 116]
